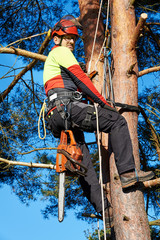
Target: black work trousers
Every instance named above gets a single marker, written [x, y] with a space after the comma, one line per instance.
[109, 122]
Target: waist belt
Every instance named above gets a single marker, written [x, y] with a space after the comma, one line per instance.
[74, 96]
[56, 99]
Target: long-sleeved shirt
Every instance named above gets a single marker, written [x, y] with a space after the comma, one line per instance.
[61, 70]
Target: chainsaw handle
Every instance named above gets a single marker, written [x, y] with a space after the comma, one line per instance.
[72, 140]
[63, 138]
[62, 151]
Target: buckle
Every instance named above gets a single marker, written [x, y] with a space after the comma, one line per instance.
[77, 95]
[53, 97]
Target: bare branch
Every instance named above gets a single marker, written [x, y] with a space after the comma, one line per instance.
[138, 30]
[36, 56]
[149, 70]
[24, 53]
[37, 149]
[31, 165]
[26, 38]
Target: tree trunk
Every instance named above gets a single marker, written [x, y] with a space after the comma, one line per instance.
[130, 219]
[89, 14]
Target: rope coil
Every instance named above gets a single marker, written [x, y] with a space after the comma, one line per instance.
[42, 115]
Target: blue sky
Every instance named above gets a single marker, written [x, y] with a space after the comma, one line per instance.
[18, 221]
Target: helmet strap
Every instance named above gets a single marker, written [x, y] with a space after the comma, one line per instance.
[61, 41]
[61, 38]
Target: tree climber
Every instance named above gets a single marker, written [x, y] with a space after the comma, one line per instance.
[66, 85]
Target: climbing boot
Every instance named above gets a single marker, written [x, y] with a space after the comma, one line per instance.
[128, 179]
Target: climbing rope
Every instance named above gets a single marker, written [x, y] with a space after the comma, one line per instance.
[100, 172]
[42, 115]
[95, 36]
[98, 138]
[107, 17]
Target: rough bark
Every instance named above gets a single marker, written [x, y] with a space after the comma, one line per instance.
[130, 219]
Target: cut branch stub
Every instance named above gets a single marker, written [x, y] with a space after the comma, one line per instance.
[138, 30]
[152, 183]
[130, 71]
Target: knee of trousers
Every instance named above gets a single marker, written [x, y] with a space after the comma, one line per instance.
[121, 121]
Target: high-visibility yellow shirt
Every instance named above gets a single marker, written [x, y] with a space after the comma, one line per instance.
[61, 70]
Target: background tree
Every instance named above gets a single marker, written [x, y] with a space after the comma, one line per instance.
[18, 119]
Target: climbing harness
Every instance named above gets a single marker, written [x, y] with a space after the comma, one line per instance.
[76, 96]
[63, 98]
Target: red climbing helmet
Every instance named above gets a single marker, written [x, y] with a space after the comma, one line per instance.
[67, 25]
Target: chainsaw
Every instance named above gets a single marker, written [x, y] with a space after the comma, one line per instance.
[68, 162]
